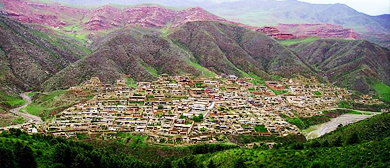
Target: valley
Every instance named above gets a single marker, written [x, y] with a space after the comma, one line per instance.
[149, 83]
[182, 110]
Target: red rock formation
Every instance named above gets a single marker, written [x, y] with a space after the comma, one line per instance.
[108, 17]
[275, 33]
[318, 30]
[105, 17]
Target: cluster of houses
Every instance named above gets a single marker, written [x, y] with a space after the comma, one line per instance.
[194, 110]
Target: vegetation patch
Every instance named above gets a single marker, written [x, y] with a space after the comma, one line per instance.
[46, 105]
[205, 72]
[150, 69]
[279, 92]
[304, 123]
[260, 128]
[363, 107]
[31, 94]
[256, 80]
[131, 83]
[14, 102]
[297, 41]
[10, 101]
[383, 90]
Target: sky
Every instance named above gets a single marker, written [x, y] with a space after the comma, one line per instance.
[371, 7]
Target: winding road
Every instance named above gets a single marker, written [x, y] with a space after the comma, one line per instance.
[31, 119]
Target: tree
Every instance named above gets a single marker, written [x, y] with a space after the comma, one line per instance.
[337, 142]
[239, 163]
[325, 143]
[181, 163]
[200, 116]
[6, 158]
[62, 154]
[190, 162]
[166, 163]
[82, 161]
[352, 139]
[25, 156]
[211, 164]
[196, 119]
[15, 132]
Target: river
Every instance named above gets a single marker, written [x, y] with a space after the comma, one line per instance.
[321, 129]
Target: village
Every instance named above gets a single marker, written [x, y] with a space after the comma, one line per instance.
[192, 110]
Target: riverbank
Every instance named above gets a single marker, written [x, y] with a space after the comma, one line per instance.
[345, 119]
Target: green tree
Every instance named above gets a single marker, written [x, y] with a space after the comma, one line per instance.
[196, 119]
[81, 161]
[181, 164]
[352, 139]
[25, 156]
[211, 164]
[166, 163]
[6, 158]
[200, 116]
[337, 142]
[239, 163]
[62, 154]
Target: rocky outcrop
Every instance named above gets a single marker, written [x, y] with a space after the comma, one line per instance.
[105, 17]
[275, 33]
[318, 30]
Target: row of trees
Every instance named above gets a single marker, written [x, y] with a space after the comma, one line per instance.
[18, 149]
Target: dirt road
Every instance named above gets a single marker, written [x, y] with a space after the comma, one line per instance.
[28, 117]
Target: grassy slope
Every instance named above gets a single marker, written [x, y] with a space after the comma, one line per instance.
[383, 90]
[373, 140]
[131, 83]
[297, 41]
[49, 104]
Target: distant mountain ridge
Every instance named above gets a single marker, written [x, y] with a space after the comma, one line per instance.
[145, 41]
[83, 22]
[198, 48]
[272, 12]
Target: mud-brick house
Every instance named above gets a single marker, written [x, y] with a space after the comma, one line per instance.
[274, 85]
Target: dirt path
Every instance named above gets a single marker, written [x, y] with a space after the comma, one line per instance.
[28, 117]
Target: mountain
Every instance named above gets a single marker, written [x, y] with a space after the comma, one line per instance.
[79, 20]
[147, 40]
[196, 47]
[87, 23]
[29, 57]
[273, 12]
[357, 64]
